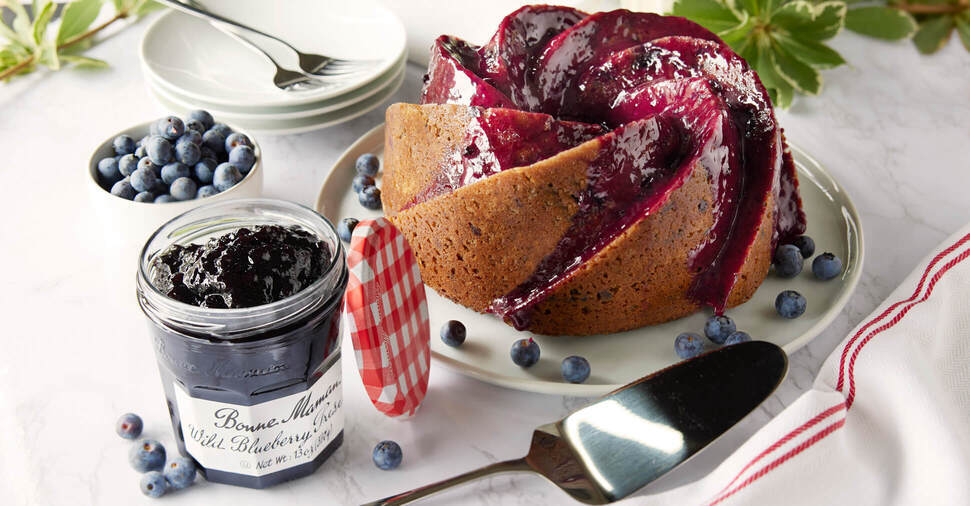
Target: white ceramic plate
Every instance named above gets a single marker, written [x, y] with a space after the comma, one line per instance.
[267, 124]
[205, 64]
[293, 111]
[617, 359]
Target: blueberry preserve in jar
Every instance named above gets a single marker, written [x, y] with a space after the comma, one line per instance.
[243, 299]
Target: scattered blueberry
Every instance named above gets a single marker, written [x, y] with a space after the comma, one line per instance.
[387, 455]
[525, 352]
[688, 345]
[194, 125]
[826, 266]
[575, 369]
[193, 136]
[222, 128]
[208, 153]
[171, 128]
[187, 152]
[202, 117]
[173, 171]
[367, 164]
[790, 304]
[788, 261]
[180, 473]
[346, 228]
[206, 191]
[143, 180]
[160, 150]
[162, 199]
[453, 333]
[147, 455]
[153, 484]
[718, 328]
[362, 181]
[129, 426]
[214, 141]
[805, 244]
[144, 197]
[370, 197]
[127, 164]
[108, 168]
[123, 189]
[243, 158]
[225, 177]
[205, 169]
[184, 188]
[124, 145]
[737, 337]
[237, 139]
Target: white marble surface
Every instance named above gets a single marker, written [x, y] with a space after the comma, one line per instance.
[893, 126]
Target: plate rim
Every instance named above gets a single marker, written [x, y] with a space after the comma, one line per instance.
[375, 136]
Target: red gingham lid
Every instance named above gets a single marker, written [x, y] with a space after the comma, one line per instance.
[387, 317]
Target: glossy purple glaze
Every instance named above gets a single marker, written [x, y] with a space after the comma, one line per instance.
[640, 74]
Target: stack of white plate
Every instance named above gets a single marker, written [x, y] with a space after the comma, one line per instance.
[189, 64]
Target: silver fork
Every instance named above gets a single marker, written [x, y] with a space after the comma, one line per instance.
[310, 63]
[284, 79]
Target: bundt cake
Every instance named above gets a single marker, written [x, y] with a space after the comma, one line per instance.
[586, 174]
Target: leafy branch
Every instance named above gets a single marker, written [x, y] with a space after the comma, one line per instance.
[28, 44]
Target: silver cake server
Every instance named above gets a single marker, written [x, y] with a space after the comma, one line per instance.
[632, 436]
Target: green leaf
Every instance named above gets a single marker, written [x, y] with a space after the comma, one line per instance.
[42, 18]
[738, 36]
[809, 21]
[21, 22]
[963, 28]
[714, 15]
[84, 61]
[801, 76]
[881, 22]
[146, 6]
[752, 7]
[814, 53]
[781, 92]
[933, 34]
[48, 55]
[76, 18]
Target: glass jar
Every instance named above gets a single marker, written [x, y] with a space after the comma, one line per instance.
[254, 393]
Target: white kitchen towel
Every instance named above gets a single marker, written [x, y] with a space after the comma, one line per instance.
[888, 418]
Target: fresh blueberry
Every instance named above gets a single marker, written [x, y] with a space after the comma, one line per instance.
[788, 261]
[145, 197]
[367, 164]
[225, 177]
[194, 125]
[162, 199]
[790, 304]
[141, 142]
[346, 228]
[123, 189]
[180, 473]
[688, 345]
[147, 455]
[143, 180]
[387, 455]
[718, 328]
[826, 266]
[124, 145]
[206, 191]
[129, 426]
[214, 141]
[193, 136]
[243, 158]
[222, 129]
[362, 181]
[237, 139]
[575, 369]
[171, 128]
[108, 168]
[184, 188]
[153, 129]
[737, 337]
[140, 152]
[127, 165]
[370, 197]
[160, 150]
[146, 163]
[453, 333]
[205, 169]
[153, 484]
[173, 171]
[208, 153]
[187, 152]
[805, 244]
[525, 352]
[202, 117]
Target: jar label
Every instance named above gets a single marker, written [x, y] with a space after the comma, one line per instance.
[263, 438]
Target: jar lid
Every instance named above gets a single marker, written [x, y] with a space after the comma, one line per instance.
[387, 317]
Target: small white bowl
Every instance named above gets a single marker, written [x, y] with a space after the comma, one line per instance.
[127, 224]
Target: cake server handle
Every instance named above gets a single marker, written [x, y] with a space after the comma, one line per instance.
[508, 466]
